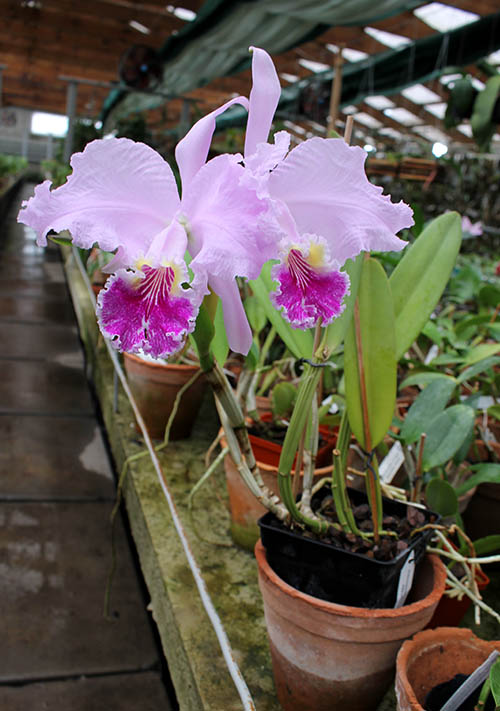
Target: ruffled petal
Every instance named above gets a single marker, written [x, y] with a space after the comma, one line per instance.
[192, 151]
[239, 333]
[224, 221]
[120, 193]
[264, 97]
[324, 185]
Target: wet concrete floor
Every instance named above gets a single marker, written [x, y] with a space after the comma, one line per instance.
[57, 490]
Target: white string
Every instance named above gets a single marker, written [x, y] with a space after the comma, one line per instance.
[217, 625]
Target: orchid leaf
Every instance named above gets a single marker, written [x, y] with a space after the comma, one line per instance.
[477, 368]
[486, 473]
[484, 350]
[441, 497]
[428, 405]
[494, 411]
[374, 341]
[487, 545]
[421, 276]
[495, 682]
[446, 434]
[220, 347]
[335, 332]
[64, 241]
[426, 377]
[299, 343]
[482, 123]
[255, 313]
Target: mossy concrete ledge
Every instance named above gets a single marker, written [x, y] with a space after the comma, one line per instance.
[195, 661]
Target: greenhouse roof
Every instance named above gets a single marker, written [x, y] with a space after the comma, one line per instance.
[394, 48]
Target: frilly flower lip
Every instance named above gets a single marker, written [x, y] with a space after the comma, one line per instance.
[147, 309]
[310, 285]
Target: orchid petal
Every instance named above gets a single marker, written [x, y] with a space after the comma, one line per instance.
[239, 333]
[264, 97]
[324, 185]
[225, 222]
[170, 243]
[192, 151]
[120, 193]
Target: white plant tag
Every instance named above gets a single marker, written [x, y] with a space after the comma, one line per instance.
[391, 463]
[432, 353]
[475, 679]
[405, 580]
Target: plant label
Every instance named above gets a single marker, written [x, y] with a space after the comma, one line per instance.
[390, 464]
[405, 580]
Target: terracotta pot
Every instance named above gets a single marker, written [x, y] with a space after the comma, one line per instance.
[155, 386]
[329, 657]
[244, 507]
[435, 656]
[269, 452]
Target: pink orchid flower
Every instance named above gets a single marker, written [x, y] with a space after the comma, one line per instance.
[324, 205]
[123, 196]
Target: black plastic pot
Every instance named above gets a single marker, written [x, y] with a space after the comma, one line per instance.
[334, 574]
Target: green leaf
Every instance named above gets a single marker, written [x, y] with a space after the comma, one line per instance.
[487, 473]
[432, 332]
[421, 276]
[494, 411]
[484, 350]
[283, 399]
[426, 377]
[489, 295]
[252, 357]
[255, 313]
[441, 497]
[376, 344]
[220, 346]
[428, 405]
[495, 682]
[481, 121]
[335, 332]
[487, 545]
[64, 241]
[299, 343]
[445, 435]
[479, 367]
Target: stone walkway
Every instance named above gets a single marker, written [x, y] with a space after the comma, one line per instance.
[57, 651]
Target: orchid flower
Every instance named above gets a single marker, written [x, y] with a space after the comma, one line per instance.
[326, 209]
[123, 196]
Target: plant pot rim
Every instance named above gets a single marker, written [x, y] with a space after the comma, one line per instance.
[428, 639]
[321, 471]
[151, 364]
[439, 572]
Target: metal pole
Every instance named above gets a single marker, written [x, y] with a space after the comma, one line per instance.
[71, 93]
[2, 67]
[336, 90]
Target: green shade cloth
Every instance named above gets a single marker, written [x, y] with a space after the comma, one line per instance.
[216, 43]
[390, 72]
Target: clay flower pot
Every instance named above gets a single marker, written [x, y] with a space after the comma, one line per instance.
[155, 385]
[435, 656]
[245, 509]
[330, 657]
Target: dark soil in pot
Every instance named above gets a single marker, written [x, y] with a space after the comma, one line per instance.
[439, 695]
[345, 568]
